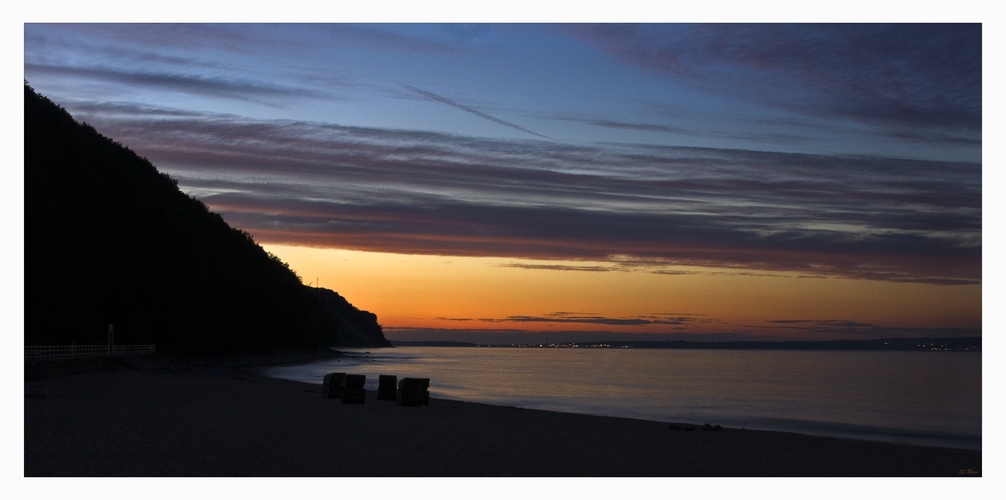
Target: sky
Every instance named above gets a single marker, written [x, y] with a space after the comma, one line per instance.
[507, 182]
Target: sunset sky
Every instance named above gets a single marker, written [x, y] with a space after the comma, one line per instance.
[503, 182]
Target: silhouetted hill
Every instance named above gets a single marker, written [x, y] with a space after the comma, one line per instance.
[356, 328]
[109, 239]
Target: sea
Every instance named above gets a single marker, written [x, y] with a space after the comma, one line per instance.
[928, 398]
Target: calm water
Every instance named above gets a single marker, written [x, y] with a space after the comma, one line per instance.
[928, 398]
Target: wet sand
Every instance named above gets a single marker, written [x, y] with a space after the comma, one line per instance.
[220, 418]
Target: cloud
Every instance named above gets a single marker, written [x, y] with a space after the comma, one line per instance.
[648, 127]
[234, 88]
[845, 328]
[653, 207]
[560, 267]
[654, 266]
[897, 75]
[233, 38]
[473, 111]
[521, 336]
[754, 132]
[593, 319]
[934, 137]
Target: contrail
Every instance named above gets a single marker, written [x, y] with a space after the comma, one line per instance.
[475, 112]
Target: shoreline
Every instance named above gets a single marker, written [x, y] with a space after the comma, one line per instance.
[937, 436]
[221, 417]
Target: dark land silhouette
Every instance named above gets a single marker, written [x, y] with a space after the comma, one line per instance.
[110, 240]
[356, 328]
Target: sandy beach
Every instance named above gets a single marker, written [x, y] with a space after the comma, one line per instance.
[220, 418]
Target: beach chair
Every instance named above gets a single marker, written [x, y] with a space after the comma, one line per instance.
[425, 391]
[331, 388]
[352, 389]
[413, 392]
[387, 387]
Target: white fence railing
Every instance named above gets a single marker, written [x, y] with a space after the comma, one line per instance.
[83, 351]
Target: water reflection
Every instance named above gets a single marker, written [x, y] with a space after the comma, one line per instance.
[913, 397]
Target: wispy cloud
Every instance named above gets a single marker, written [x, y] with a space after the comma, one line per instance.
[473, 111]
[561, 267]
[654, 266]
[755, 132]
[593, 319]
[934, 137]
[664, 207]
[892, 75]
[649, 127]
[846, 328]
[518, 336]
[234, 88]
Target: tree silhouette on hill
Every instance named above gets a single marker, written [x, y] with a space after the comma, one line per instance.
[109, 239]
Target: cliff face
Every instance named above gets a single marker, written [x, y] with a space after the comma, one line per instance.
[355, 328]
[109, 239]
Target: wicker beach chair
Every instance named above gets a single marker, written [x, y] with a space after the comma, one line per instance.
[413, 392]
[425, 391]
[352, 389]
[331, 388]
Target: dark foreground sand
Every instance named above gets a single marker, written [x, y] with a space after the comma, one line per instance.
[221, 419]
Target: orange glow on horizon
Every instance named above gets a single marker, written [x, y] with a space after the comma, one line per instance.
[450, 292]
